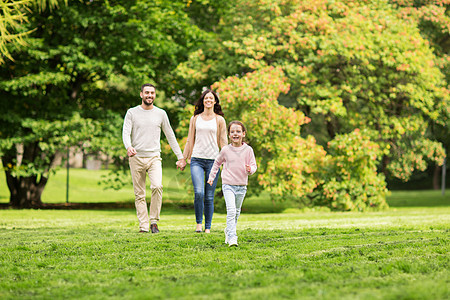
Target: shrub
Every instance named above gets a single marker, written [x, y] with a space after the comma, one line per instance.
[350, 181]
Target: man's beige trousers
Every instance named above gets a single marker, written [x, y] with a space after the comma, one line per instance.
[140, 167]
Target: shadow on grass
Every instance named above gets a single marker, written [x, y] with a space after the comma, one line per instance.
[168, 207]
[101, 206]
[254, 205]
[419, 199]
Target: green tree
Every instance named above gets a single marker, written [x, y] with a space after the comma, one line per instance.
[71, 85]
[293, 167]
[350, 65]
[13, 15]
[349, 180]
[288, 165]
[433, 19]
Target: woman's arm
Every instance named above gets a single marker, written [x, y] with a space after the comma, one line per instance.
[223, 140]
[190, 139]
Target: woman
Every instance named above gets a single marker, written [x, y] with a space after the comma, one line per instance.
[207, 132]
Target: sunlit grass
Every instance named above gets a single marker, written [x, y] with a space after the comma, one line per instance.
[401, 253]
[86, 254]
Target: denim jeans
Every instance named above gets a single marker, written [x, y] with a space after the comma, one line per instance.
[204, 193]
[234, 196]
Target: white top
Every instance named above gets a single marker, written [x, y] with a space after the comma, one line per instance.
[205, 145]
[142, 131]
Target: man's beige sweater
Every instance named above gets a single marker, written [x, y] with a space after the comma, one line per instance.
[142, 131]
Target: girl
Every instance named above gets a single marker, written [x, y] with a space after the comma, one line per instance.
[239, 162]
[207, 132]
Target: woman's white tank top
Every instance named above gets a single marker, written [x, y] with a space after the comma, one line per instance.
[205, 145]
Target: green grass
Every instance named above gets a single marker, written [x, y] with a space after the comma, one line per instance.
[419, 198]
[402, 253]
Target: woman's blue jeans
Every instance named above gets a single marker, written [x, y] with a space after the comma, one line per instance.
[204, 193]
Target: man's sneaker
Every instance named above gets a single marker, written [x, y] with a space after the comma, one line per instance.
[233, 243]
[226, 235]
[154, 228]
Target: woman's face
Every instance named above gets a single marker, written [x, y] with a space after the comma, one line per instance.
[209, 100]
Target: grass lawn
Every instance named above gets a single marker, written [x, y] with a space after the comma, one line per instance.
[402, 253]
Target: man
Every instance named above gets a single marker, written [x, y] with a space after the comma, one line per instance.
[141, 136]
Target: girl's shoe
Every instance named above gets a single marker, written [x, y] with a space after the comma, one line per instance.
[233, 243]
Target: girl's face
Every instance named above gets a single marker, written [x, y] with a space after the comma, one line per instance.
[236, 135]
[209, 100]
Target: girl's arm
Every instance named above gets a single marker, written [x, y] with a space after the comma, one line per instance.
[217, 163]
[251, 166]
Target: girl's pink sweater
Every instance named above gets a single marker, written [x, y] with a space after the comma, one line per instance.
[234, 160]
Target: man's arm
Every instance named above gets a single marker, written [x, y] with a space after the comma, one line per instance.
[126, 134]
[170, 135]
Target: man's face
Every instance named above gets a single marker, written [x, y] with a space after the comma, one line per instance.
[148, 95]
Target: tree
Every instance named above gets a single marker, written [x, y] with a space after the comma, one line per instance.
[433, 19]
[74, 80]
[349, 180]
[287, 163]
[13, 15]
[293, 167]
[350, 65]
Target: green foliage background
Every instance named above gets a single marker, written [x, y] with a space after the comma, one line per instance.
[335, 93]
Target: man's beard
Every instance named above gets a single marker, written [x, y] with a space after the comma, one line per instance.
[148, 101]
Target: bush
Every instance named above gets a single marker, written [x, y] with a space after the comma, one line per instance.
[350, 181]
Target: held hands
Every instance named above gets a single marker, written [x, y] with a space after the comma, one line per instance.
[210, 182]
[181, 164]
[131, 151]
[247, 168]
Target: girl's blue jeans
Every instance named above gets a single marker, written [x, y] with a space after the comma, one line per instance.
[204, 193]
[234, 196]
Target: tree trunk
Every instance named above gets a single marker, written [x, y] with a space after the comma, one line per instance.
[25, 191]
[437, 177]
[384, 164]
[331, 129]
